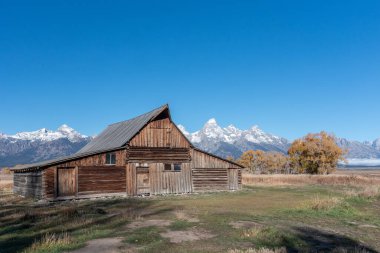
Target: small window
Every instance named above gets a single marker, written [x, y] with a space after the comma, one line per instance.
[177, 167]
[168, 167]
[172, 167]
[110, 158]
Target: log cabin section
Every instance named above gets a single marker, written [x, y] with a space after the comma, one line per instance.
[146, 155]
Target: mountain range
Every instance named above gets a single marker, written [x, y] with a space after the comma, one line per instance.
[44, 144]
[231, 141]
[40, 145]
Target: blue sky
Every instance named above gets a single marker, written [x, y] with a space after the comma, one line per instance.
[291, 67]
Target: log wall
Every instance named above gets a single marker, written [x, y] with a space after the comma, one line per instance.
[101, 179]
[210, 179]
[96, 161]
[210, 173]
[28, 184]
[161, 155]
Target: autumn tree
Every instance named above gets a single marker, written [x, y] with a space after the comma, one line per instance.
[230, 158]
[264, 162]
[315, 154]
[252, 160]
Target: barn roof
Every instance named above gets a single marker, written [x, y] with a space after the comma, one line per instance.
[112, 138]
[118, 134]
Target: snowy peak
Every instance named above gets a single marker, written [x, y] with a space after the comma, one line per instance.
[211, 121]
[183, 130]
[44, 134]
[376, 144]
[212, 132]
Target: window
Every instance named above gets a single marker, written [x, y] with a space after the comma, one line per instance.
[177, 167]
[168, 167]
[110, 158]
[172, 167]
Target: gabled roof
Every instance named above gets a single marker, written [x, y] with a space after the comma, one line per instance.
[118, 134]
[114, 137]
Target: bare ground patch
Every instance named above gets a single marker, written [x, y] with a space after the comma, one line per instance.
[149, 223]
[103, 245]
[244, 224]
[182, 215]
[186, 235]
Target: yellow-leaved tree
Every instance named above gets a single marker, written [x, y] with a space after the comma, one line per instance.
[315, 154]
[264, 162]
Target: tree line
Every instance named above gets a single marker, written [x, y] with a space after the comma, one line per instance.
[314, 154]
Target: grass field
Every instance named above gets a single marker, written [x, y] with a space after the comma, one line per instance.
[338, 213]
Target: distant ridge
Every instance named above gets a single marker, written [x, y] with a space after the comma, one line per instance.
[44, 144]
[40, 145]
[231, 141]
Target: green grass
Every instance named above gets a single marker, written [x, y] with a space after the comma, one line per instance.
[296, 217]
[180, 225]
[144, 236]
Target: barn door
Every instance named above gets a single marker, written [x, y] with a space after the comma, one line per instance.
[143, 182]
[233, 179]
[66, 179]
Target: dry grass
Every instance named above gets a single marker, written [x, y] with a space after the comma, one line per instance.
[318, 203]
[6, 182]
[356, 250]
[332, 179]
[260, 250]
[365, 191]
[49, 242]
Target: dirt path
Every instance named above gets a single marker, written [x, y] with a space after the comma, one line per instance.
[103, 245]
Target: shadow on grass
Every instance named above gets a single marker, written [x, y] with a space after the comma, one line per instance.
[22, 225]
[323, 241]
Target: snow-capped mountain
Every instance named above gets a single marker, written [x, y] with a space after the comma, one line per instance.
[44, 134]
[376, 144]
[360, 150]
[231, 141]
[43, 144]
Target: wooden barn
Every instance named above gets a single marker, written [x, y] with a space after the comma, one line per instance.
[146, 155]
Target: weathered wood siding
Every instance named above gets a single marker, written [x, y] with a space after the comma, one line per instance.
[97, 160]
[162, 155]
[209, 179]
[160, 181]
[28, 184]
[160, 133]
[131, 179]
[49, 182]
[210, 173]
[166, 182]
[49, 175]
[203, 160]
[101, 179]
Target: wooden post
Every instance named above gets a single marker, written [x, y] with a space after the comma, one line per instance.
[55, 182]
[76, 181]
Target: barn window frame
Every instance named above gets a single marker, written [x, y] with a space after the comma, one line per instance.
[110, 158]
[172, 167]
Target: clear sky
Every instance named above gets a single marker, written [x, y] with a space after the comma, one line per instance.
[291, 67]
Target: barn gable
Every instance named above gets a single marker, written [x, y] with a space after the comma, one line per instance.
[118, 134]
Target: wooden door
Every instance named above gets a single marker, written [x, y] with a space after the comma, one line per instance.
[233, 179]
[66, 178]
[143, 182]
